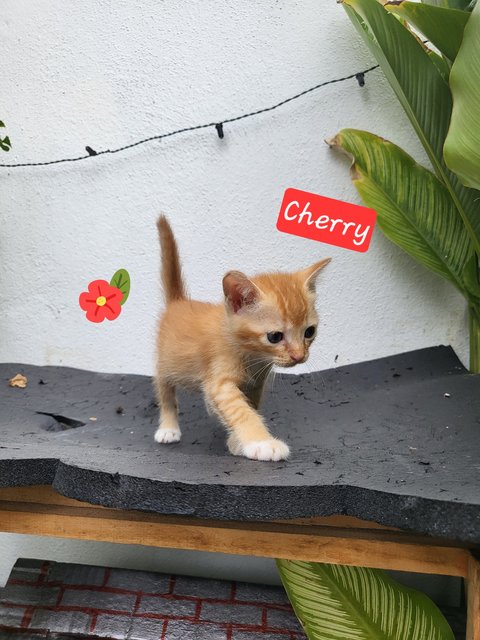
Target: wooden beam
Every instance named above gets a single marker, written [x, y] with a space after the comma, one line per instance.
[473, 599]
[347, 526]
[45, 494]
[335, 542]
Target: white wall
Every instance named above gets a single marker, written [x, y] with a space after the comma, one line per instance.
[107, 72]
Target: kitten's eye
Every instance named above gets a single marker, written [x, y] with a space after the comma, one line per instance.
[275, 336]
[309, 332]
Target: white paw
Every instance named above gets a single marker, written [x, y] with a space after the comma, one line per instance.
[271, 449]
[164, 436]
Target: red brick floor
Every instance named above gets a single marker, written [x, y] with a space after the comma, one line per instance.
[45, 598]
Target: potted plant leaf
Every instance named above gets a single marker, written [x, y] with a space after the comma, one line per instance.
[431, 213]
[337, 602]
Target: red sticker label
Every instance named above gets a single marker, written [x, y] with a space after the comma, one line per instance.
[326, 220]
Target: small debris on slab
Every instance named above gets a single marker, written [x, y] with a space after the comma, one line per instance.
[19, 381]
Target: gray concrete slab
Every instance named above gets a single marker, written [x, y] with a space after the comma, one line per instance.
[395, 440]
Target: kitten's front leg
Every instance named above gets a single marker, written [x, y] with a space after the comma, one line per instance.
[249, 436]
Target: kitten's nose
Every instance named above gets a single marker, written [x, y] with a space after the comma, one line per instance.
[297, 356]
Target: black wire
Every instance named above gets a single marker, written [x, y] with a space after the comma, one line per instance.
[218, 125]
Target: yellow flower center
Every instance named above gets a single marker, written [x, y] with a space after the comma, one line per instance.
[101, 301]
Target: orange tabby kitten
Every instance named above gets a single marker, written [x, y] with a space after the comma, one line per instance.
[227, 350]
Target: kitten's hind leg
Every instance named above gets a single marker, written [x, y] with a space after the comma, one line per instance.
[249, 436]
[254, 392]
[168, 429]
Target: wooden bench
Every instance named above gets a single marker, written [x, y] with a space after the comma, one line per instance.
[384, 471]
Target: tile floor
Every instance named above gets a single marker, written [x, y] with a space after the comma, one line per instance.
[53, 600]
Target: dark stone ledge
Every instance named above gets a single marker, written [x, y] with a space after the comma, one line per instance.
[378, 440]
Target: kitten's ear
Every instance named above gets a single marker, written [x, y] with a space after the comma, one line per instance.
[239, 291]
[309, 275]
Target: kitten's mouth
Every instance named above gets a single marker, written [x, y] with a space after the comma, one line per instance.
[289, 363]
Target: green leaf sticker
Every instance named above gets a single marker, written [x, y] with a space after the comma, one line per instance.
[5, 143]
[121, 280]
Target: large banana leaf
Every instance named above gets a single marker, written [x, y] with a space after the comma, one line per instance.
[443, 27]
[423, 92]
[414, 208]
[449, 4]
[462, 146]
[441, 63]
[354, 603]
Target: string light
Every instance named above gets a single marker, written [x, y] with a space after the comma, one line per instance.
[219, 126]
[360, 78]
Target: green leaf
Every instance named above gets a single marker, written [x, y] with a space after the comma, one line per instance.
[442, 64]
[463, 5]
[471, 278]
[5, 144]
[422, 91]
[355, 603]
[474, 322]
[443, 27]
[121, 280]
[462, 146]
[414, 208]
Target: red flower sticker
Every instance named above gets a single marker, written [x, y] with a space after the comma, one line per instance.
[105, 299]
[101, 301]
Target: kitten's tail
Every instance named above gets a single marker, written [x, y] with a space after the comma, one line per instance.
[171, 271]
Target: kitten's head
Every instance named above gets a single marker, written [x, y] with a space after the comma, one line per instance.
[272, 316]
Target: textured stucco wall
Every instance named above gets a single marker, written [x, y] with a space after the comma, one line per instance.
[105, 73]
